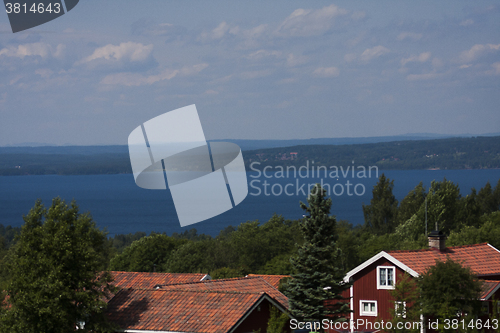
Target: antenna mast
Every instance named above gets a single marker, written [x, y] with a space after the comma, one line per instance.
[426, 233]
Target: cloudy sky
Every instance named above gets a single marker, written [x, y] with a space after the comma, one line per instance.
[279, 69]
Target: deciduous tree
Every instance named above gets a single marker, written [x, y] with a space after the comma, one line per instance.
[449, 290]
[55, 273]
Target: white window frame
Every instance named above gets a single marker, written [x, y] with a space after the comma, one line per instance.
[363, 313]
[397, 304]
[379, 286]
[485, 307]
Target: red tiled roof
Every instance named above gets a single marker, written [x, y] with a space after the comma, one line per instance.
[273, 280]
[180, 310]
[254, 284]
[483, 259]
[141, 280]
[489, 287]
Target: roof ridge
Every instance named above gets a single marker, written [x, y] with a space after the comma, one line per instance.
[213, 281]
[158, 273]
[427, 249]
[199, 291]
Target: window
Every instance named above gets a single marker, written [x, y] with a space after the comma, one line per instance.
[368, 308]
[485, 307]
[400, 309]
[386, 277]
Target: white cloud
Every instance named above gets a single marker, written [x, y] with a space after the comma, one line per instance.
[255, 32]
[326, 72]
[308, 22]
[358, 16]
[420, 77]
[374, 52]
[44, 72]
[496, 68]
[293, 60]
[33, 49]
[256, 74]
[478, 50]
[409, 35]
[221, 31]
[467, 22]
[261, 54]
[136, 79]
[437, 63]
[422, 57]
[350, 57]
[125, 51]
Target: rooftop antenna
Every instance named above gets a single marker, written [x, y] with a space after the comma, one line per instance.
[426, 233]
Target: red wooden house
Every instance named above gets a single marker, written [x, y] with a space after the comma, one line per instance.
[372, 281]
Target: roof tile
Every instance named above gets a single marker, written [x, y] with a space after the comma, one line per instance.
[483, 259]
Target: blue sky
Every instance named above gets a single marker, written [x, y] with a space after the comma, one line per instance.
[255, 69]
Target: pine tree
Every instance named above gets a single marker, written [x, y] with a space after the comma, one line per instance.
[381, 214]
[319, 276]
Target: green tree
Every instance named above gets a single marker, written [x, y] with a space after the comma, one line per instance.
[56, 280]
[487, 200]
[469, 210]
[381, 214]
[411, 203]
[277, 320]
[496, 196]
[349, 243]
[489, 232]
[192, 257]
[146, 254]
[443, 205]
[448, 290]
[319, 275]
[405, 304]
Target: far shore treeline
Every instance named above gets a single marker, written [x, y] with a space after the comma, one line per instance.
[450, 153]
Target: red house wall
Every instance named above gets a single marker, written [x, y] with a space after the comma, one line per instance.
[257, 320]
[365, 288]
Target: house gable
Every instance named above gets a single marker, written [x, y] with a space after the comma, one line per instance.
[382, 255]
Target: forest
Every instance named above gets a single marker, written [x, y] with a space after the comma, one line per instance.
[266, 248]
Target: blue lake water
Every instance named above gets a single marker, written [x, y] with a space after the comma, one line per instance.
[116, 203]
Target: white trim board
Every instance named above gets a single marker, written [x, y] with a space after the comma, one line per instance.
[376, 257]
[491, 293]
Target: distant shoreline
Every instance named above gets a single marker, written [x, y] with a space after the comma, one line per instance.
[437, 154]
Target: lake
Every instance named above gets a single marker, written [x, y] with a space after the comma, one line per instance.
[117, 204]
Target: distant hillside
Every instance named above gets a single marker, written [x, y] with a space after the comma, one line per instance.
[450, 153]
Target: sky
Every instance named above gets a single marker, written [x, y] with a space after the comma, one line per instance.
[281, 69]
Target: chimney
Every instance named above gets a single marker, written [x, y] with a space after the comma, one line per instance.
[437, 240]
